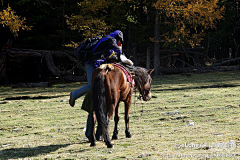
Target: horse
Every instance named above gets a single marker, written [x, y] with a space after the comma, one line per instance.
[110, 86]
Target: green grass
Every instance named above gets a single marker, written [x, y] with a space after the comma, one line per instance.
[160, 128]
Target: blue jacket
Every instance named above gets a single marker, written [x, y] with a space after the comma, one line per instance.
[105, 47]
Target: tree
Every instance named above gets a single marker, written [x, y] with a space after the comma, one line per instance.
[189, 19]
[224, 42]
[183, 23]
[48, 20]
[156, 43]
[8, 18]
[90, 22]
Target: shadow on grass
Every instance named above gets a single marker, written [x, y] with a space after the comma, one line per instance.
[16, 153]
[197, 87]
[13, 153]
[36, 97]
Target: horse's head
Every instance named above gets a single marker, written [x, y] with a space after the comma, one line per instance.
[143, 82]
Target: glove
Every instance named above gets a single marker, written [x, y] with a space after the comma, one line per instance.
[124, 59]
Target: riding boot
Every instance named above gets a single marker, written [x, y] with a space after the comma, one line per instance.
[88, 132]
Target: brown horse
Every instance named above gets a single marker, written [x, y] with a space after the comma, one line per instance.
[110, 86]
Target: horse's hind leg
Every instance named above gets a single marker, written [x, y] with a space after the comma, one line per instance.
[92, 137]
[127, 108]
[106, 137]
[116, 120]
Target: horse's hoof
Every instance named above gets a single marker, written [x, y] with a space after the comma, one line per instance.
[128, 135]
[114, 137]
[109, 145]
[92, 144]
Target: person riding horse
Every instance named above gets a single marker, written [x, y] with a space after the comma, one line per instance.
[108, 47]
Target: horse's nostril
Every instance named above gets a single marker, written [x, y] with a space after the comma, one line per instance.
[146, 98]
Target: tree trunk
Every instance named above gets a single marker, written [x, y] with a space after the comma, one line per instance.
[148, 49]
[60, 70]
[225, 62]
[3, 68]
[148, 58]
[156, 43]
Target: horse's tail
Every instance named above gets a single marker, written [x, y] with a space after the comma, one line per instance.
[99, 104]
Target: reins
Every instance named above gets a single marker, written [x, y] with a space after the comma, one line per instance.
[133, 84]
[139, 97]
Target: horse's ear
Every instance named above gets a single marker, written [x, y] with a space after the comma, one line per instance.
[150, 71]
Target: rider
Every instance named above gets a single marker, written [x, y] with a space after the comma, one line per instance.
[110, 46]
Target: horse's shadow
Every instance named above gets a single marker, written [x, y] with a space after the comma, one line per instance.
[13, 153]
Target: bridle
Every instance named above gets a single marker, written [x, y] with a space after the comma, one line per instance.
[142, 91]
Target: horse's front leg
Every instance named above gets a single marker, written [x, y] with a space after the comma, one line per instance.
[127, 109]
[116, 120]
[92, 136]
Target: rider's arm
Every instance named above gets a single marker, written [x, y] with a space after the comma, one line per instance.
[113, 45]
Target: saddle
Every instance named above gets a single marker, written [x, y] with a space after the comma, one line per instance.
[128, 71]
[124, 67]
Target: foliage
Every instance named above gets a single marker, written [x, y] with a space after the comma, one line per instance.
[72, 44]
[91, 20]
[100, 18]
[48, 19]
[212, 24]
[8, 18]
[190, 19]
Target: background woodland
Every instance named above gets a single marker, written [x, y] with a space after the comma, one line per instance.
[158, 33]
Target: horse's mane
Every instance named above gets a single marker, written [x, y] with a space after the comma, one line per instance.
[141, 75]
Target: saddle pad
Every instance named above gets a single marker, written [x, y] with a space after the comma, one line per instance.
[126, 72]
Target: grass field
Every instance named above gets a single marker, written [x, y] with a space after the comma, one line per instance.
[189, 117]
